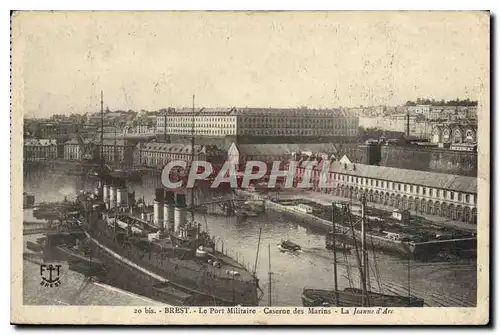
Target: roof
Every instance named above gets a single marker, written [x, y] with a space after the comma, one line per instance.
[415, 177]
[294, 112]
[201, 111]
[39, 142]
[284, 149]
[171, 147]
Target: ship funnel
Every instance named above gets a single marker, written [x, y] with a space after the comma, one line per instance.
[158, 207]
[112, 196]
[105, 193]
[168, 211]
[180, 212]
[121, 196]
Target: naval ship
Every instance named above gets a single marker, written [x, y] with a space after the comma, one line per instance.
[181, 260]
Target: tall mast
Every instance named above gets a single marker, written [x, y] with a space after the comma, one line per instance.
[257, 255]
[102, 130]
[335, 278]
[270, 290]
[192, 160]
[364, 263]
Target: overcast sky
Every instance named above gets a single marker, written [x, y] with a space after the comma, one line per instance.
[153, 60]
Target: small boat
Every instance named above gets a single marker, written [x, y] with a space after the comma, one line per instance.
[289, 245]
[34, 246]
[353, 297]
[339, 247]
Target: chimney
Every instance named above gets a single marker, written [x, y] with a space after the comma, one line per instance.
[168, 211]
[408, 124]
[158, 207]
[180, 211]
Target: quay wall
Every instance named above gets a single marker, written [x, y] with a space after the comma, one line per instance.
[414, 250]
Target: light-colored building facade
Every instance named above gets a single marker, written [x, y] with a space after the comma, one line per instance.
[451, 133]
[74, 151]
[220, 122]
[119, 151]
[35, 150]
[296, 122]
[154, 154]
[444, 195]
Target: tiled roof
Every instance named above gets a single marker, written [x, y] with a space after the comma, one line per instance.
[292, 111]
[284, 149]
[415, 177]
[39, 142]
[202, 111]
[170, 147]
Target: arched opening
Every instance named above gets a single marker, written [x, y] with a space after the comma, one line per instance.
[459, 213]
[474, 216]
[444, 210]
[383, 199]
[430, 205]
[422, 206]
[437, 208]
[377, 197]
[404, 203]
[451, 212]
[398, 201]
[467, 214]
[417, 204]
[411, 203]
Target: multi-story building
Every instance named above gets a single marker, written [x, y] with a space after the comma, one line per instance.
[117, 152]
[73, 150]
[439, 194]
[216, 122]
[450, 133]
[35, 150]
[419, 109]
[154, 154]
[238, 155]
[259, 122]
[296, 122]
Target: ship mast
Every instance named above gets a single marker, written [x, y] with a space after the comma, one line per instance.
[270, 273]
[102, 131]
[192, 160]
[335, 278]
[364, 262]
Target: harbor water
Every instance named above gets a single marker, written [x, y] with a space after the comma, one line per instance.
[290, 272]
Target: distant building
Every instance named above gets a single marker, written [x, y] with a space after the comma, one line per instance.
[238, 155]
[419, 109]
[451, 133]
[154, 154]
[74, 151]
[118, 152]
[258, 122]
[35, 150]
[445, 195]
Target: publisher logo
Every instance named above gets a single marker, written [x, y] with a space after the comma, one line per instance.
[50, 275]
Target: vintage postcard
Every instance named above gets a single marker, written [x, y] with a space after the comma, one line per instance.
[271, 168]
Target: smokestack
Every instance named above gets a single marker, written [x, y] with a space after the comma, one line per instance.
[121, 196]
[168, 211]
[105, 193]
[112, 197]
[408, 124]
[180, 212]
[158, 207]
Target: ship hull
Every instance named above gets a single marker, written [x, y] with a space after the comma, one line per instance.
[355, 298]
[146, 270]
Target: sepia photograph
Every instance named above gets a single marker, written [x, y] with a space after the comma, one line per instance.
[239, 167]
